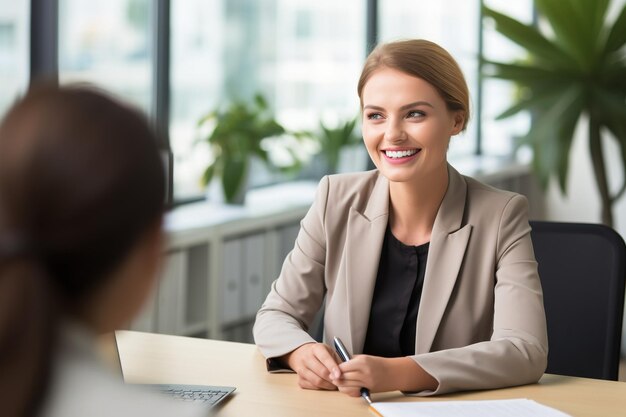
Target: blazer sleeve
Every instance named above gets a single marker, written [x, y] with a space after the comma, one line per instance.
[296, 296]
[516, 353]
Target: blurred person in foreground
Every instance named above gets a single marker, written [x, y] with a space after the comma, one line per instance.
[82, 193]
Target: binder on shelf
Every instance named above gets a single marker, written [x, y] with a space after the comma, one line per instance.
[254, 268]
[231, 282]
[171, 294]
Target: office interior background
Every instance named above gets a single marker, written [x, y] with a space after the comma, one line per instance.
[180, 59]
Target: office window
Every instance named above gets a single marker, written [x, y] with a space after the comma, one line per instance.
[196, 77]
[14, 50]
[107, 42]
[454, 25]
[304, 56]
[498, 137]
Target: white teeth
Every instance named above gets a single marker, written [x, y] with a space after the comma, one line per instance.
[400, 154]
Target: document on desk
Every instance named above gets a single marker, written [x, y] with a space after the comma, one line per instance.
[492, 408]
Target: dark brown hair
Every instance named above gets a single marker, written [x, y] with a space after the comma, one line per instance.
[81, 180]
[426, 60]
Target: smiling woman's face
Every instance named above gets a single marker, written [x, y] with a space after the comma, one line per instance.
[406, 126]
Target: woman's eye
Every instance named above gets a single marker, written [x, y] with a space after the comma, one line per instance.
[374, 116]
[415, 113]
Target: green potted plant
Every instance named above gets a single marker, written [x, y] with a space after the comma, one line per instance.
[333, 140]
[235, 138]
[579, 69]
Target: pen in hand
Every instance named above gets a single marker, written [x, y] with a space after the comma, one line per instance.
[345, 356]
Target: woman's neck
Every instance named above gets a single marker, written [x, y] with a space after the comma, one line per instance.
[414, 206]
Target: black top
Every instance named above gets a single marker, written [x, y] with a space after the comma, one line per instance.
[396, 299]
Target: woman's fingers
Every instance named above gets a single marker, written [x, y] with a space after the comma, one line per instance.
[359, 372]
[309, 379]
[314, 363]
[328, 359]
[351, 391]
[352, 380]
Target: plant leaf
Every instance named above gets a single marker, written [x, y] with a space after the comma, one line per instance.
[591, 15]
[594, 80]
[207, 175]
[209, 116]
[262, 155]
[576, 24]
[530, 104]
[613, 115]
[617, 126]
[614, 76]
[552, 136]
[260, 101]
[239, 131]
[617, 34]
[333, 139]
[531, 39]
[538, 100]
[523, 74]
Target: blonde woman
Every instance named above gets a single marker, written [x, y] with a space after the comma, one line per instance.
[429, 277]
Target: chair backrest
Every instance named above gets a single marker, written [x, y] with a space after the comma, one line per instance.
[583, 271]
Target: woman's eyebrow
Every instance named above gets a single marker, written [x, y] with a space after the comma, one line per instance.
[404, 107]
[415, 104]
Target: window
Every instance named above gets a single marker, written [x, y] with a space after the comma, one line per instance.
[196, 78]
[14, 41]
[498, 136]
[305, 57]
[107, 42]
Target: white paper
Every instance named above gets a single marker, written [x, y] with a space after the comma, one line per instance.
[491, 408]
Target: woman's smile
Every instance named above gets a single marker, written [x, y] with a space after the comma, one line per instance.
[400, 156]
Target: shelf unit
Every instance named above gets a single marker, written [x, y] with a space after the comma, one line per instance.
[220, 263]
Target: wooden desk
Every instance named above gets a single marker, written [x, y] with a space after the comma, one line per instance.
[154, 358]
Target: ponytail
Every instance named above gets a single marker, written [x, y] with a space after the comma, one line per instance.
[28, 319]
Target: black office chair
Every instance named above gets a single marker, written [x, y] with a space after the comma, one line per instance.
[583, 270]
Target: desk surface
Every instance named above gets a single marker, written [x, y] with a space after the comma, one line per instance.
[153, 358]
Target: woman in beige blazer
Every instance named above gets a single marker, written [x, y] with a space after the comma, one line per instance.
[480, 319]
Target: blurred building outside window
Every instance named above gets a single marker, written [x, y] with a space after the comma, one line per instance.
[108, 43]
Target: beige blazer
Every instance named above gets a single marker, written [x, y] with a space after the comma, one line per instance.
[481, 322]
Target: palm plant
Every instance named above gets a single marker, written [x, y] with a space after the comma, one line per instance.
[579, 69]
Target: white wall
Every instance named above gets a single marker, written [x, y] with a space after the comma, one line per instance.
[582, 203]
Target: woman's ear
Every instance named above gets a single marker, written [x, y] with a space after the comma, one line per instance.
[459, 121]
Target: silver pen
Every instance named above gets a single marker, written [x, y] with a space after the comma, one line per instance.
[345, 356]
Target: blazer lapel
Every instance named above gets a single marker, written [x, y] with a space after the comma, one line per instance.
[445, 256]
[365, 234]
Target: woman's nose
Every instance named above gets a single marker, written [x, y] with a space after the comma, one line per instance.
[394, 132]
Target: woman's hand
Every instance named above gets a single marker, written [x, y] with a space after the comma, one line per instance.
[382, 374]
[314, 363]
